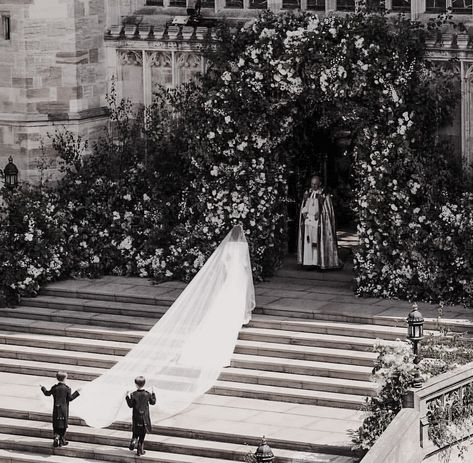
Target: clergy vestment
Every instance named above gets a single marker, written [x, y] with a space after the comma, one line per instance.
[317, 242]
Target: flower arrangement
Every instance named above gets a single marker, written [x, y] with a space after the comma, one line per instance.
[161, 188]
[394, 373]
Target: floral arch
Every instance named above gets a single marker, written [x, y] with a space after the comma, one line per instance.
[365, 73]
[219, 151]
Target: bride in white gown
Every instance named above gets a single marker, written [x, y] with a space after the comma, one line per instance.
[184, 353]
[225, 314]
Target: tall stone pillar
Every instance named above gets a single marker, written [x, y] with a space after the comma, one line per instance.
[467, 113]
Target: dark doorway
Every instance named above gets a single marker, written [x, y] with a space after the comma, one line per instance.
[315, 151]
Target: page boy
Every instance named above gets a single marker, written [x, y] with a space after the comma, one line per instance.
[62, 396]
[140, 400]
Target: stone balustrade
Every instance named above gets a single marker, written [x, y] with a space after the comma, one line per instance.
[406, 438]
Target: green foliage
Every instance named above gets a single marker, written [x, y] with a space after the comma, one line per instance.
[218, 152]
[450, 419]
[32, 237]
[394, 374]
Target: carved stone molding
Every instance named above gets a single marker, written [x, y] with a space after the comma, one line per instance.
[189, 60]
[160, 59]
[130, 57]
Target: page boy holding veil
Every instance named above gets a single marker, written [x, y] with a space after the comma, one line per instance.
[139, 401]
[61, 393]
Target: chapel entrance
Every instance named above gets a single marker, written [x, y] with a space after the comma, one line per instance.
[324, 153]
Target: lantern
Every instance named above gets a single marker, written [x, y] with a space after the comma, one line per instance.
[415, 333]
[10, 174]
[415, 321]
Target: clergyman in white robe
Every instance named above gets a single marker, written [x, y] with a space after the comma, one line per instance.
[317, 240]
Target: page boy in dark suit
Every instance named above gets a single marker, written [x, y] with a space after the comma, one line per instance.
[62, 396]
[139, 401]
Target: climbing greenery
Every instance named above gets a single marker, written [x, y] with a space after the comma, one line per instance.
[394, 372]
[160, 190]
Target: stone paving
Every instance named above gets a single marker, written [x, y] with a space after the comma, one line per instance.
[325, 295]
[292, 292]
[312, 293]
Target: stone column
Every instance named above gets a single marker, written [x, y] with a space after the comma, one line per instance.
[330, 5]
[417, 8]
[467, 113]
[274, 5]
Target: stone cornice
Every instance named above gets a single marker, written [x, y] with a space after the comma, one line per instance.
[59, 118]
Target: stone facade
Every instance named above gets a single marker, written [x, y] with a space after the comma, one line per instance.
[61, 55]
[52, 73]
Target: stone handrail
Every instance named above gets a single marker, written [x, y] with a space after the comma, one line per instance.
[399, 443]
[438, 387]
[406, 440]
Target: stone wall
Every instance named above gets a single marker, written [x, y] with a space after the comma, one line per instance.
[51, 72]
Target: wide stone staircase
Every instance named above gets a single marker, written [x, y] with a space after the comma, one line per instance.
[285, 359]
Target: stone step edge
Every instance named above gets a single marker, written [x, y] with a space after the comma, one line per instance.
[8, 456]
[70, 330]
[246, 335]
[347, 398]
[332, 355]
[294, 377]
[251, 388]
[121, 438]
[105, 296]
[92, 305]
[102, 452]
[302, 314]
[334, 316]
[175, 431]
[290, 338]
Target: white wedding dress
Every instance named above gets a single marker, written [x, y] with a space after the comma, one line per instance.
[184, 353]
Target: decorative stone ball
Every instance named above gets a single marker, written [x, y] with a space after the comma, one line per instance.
[264, 453]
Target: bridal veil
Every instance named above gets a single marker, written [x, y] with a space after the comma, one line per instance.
[184, 353]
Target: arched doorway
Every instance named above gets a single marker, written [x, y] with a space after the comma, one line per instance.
[323, 152]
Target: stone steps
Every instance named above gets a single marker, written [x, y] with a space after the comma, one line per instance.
[328, 327]
[307, 339]
[25, 325]
[33, 366]
[45, 341]
[11, 456]
[97, 295]
[282, 394]
[111, 347]
[13, 316]
[325, 283]
[86, 451]
[296, 352]
[234, 438]
[97, 306]
[54, 352]
[80, 318]
[301, 367]
[307, 382]
[281, 359]
[247, 383]
[158, 446]
[37, 368]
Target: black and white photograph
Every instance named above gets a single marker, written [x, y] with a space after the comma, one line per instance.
[236, 231]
